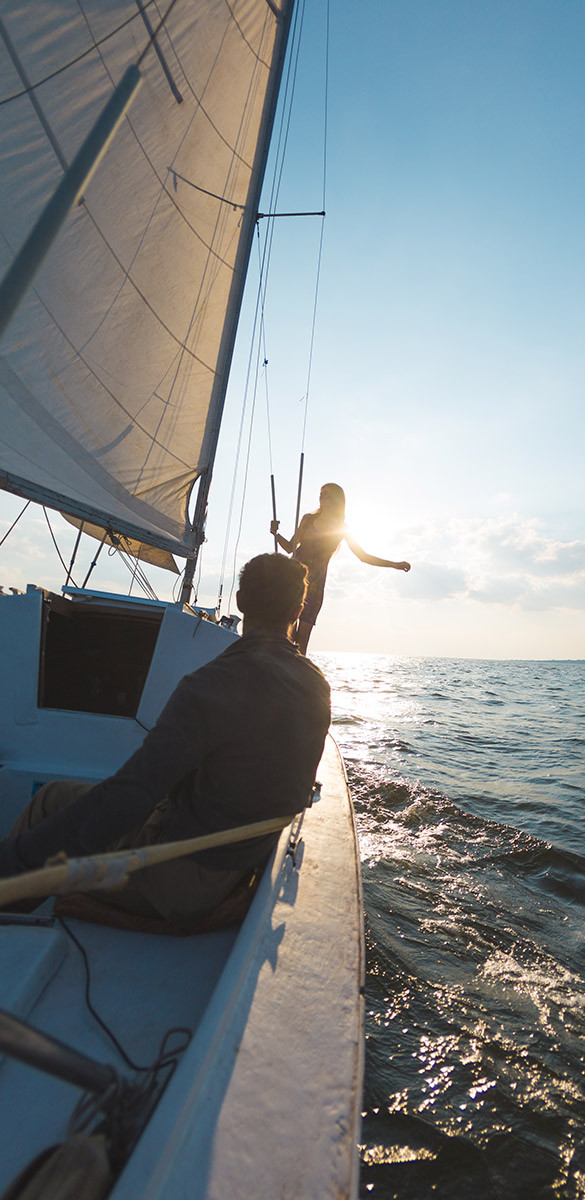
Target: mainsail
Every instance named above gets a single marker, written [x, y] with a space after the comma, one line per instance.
[113, 371]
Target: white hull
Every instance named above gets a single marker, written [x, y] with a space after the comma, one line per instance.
[265, 1101]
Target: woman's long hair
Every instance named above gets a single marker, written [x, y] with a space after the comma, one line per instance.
[337, 501]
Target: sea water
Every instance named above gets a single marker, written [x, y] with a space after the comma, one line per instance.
[468, 780]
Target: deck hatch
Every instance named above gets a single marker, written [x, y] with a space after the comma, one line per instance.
[95, 658]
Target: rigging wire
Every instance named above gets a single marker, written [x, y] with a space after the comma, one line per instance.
[136, 570]
[178, 584]
[283, 132]
[74, 554]
[54, 540]
[319, 258]
[320, 254]
[280, 154]
[134, 573]
[246, 470]
[15, 523]
[264, 267]
[265, 364]
[238, 451]
[132, 564]
[267, 398]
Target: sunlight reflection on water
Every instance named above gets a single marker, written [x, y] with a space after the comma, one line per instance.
[467, 781]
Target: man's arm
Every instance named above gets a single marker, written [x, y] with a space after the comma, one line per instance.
[173, 747]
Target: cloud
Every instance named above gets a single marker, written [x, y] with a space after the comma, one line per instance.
[434, 581]
[519, 546]
[507, 561]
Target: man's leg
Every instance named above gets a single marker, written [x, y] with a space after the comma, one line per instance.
[48, 799]
[175, 890]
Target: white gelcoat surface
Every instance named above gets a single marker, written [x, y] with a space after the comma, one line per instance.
[39, 744]
[265, 1102]
[266, 1105]
[141, 985]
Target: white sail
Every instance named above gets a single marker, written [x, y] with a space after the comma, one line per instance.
[113, 371]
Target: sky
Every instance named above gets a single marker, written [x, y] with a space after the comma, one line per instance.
[448, 367]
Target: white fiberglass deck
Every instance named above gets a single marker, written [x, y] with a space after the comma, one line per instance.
[265, 1101]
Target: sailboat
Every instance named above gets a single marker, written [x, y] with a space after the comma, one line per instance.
[227, 1063]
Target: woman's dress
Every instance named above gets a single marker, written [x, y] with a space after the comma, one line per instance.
[315, 550]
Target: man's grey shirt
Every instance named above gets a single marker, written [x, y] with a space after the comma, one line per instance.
[239, 741]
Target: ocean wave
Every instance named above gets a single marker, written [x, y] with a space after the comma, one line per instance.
[464, 836]
[473, 882]
[556, 870]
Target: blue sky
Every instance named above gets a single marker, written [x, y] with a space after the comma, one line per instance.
[449, 364]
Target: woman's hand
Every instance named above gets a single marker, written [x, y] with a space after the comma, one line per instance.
[403, 566]
[274, 527]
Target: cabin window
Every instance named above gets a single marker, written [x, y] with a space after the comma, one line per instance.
[95, 659]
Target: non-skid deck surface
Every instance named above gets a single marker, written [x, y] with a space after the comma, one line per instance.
[269, 1105]
[265, 1101]
[141, 985]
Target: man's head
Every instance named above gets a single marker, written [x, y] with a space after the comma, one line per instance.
[272, 590]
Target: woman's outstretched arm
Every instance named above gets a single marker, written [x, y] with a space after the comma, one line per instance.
[371, 558]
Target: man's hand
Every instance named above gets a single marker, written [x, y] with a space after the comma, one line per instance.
[403, 566]
[274, 527]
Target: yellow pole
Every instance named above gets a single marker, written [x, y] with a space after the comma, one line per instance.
[110, 871]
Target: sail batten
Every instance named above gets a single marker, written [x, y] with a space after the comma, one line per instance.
[114, 370]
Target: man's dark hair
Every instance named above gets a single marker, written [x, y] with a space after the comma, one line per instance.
[272, 588]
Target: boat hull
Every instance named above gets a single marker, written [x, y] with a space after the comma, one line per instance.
[265, 1101]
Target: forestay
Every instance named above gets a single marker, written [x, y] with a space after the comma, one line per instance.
[113, 371]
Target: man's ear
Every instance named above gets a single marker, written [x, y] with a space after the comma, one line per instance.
[238, 601]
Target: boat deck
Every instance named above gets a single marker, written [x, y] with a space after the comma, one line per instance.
[275, 1062]
[140, 984]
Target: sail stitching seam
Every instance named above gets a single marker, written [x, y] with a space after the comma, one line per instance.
[256, 53]
[53, 429]
[143, 150]
[198, 99]
[72, 62]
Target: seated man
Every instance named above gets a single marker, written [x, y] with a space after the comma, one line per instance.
[239, 741]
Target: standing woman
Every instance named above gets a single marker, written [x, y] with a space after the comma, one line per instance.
[318, 537]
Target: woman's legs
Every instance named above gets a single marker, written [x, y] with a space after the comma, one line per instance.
[303, 633]
[310, 610]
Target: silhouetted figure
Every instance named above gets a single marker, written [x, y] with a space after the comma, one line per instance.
[239, 741]
[318, 537]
